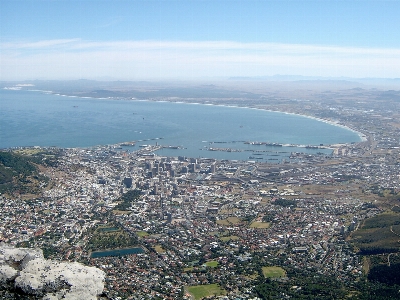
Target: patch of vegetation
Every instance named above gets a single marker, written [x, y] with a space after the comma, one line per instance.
[16, 164]
[229, 221]
[212, 264]
[6, 174]
[20, 174]
[50, 251]
[102, 240]
[24, 244]
[261, 225]
[376, 241]
[396, 208]
[127, 199]
[229, 238]
[142, 233]
[376, 291]
[159, 249]
[382, 221]
[201, 291]
[273, 272]
[385, 274]
[108, 229]
[121, 212]
[381, 192]
[252, 276]
[268, 218]
[306, 284]
[302, 286]
[285, 202]
[249, 218]
[378, 234]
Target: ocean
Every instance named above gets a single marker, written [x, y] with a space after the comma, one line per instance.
[34, 118]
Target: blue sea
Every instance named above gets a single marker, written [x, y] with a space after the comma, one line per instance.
[34, 118]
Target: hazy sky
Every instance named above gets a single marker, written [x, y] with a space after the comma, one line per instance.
[189, 39]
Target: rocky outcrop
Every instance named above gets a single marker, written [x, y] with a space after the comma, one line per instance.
[7, 273]
[29, 273]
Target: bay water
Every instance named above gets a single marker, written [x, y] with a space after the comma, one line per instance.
[34, 118]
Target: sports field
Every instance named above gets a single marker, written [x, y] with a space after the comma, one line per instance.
[201, 291]
[273, 272]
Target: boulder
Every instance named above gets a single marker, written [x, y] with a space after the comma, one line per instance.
[48, 279]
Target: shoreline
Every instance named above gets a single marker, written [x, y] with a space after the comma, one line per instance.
[362, 137]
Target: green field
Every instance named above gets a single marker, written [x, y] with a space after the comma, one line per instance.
[201, 291]
[141, 233]
[273, 272]
[212, 264]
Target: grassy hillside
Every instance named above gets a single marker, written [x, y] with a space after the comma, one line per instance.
[19, 172]
[379, 234]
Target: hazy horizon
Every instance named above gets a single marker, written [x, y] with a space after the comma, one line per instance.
[198, 40]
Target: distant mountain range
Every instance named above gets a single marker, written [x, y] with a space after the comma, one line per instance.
[279, 77]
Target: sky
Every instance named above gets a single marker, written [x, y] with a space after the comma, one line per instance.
[198, 39]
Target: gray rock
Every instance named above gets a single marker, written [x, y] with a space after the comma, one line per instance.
[49, 279]
[7, 273]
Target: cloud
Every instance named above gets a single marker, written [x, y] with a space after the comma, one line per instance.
[45, 44]
[76, 58]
